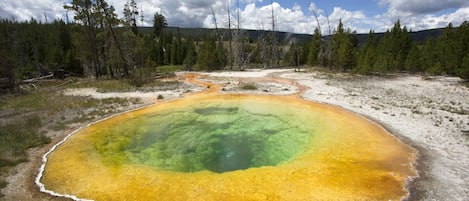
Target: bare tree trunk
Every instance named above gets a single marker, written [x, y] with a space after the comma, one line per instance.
[93, 42]
[317, 20]
[238, 50]
[216, 26]
[113, 33]
[329, 46]
[230, 54]
[298, 58]
[274, 39]
[240, 54]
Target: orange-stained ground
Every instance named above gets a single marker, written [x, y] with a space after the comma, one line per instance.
[355, 159]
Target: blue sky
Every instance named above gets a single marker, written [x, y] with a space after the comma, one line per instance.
[292, 16]
[368, 6]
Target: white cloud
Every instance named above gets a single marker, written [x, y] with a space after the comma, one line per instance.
[432, 21]
[27, 9]
[415, 14]
[410, 7]
[314, 8]
[254, 17]
[188, 13]
[351, 19]
[421, 14]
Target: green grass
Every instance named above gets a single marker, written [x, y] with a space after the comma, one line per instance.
[249, 86]
[18, 136]
[3, 184]
[118, 85]
[137, 82]
[105, 85]
[169, 68]
[27, 117]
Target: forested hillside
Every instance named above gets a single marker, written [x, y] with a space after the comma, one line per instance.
[98, 44]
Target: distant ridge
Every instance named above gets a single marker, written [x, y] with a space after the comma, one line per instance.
[198, 33]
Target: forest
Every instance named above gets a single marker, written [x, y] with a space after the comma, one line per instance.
[98, 44]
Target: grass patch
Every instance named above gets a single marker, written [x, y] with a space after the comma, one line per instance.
[105, 85]
[121, 85]
[7, 162]
[249, 86]
[59, 126]
[17, 137]
[3, 184]
[143, 80]
[169, 68]
[49, 102]
[27, 117]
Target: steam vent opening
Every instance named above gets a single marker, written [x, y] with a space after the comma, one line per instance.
[232, 147]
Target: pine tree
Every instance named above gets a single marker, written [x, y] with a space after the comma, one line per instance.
[431, 57]
[462, 35]
[313, 55]
[393, 49]
[85, 14]
[130, 15]
[343, 48]
[413, 62]
[159, 23]
[8, 65]
[190, 58]
[110, 21]
[463, 71]
[367, 54]
[291, 56]
[212, 55]
[206, 60]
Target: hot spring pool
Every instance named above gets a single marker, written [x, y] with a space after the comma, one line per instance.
[232, 147]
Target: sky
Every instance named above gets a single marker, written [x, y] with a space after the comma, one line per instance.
[295, 16]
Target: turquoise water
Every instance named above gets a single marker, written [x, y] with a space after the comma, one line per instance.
[218, 137]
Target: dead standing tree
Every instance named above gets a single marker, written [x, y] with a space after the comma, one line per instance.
[274, 49]
[325, 53]
[84, 13]
[111, 19]
[230, 40]
[217, 33]
[237, 55]
[241, 58]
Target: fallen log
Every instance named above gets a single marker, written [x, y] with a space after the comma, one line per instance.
[32, 80]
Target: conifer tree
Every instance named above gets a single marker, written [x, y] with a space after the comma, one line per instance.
[313, 54]
[206, 59]
[463, 71]
[130, 15]
[8, 65]
[367, 54]
[190, 58]
[413, 62]
[431, 57]
[159, 23]
[462, 35]
[212, 55]
[86, 16]
[343, 48]
[392, 49]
